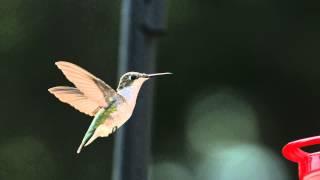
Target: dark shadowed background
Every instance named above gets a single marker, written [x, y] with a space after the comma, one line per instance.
[246, 82]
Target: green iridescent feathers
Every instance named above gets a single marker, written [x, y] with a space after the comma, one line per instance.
[99, 119]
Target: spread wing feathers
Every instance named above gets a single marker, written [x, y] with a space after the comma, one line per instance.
[75, 98]
[91, 86]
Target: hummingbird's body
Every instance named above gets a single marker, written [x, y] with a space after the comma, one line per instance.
[110, 108]
[109, 119]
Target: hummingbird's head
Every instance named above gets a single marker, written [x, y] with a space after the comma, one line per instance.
[136, 79]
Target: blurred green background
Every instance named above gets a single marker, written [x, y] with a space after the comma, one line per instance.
[246, 82]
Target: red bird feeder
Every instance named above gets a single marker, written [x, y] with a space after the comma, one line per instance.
[309, 163]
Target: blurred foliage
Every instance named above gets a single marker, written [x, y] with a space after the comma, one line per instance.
[239, 161]
[33, 35]
[26, 158]
[266, 51]
[170, 171]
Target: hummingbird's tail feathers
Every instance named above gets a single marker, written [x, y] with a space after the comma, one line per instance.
[80, 147]
[85, 142]
[91, 140]
[96, 129]
[88, 137]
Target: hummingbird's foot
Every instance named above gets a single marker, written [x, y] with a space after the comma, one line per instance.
[114, 129]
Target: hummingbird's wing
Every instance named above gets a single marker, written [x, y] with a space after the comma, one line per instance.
[75, 98]
[91, 86]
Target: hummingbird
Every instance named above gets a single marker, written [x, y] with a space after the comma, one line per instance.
[109, 108]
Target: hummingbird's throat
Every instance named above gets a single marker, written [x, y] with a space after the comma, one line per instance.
[130, 92]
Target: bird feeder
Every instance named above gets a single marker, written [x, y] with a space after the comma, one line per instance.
[308, 163]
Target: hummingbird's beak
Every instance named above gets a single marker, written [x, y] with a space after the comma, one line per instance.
[158, 74]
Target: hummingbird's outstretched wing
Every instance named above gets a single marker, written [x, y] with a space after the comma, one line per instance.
[92, 87]
[75, 98]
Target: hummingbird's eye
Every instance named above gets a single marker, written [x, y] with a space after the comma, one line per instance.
[132, 77]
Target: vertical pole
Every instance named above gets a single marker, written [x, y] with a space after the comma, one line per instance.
[142, 21]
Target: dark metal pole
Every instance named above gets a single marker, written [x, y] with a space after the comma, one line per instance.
[142, 21]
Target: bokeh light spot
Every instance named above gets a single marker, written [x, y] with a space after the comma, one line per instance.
[169, 171]
[243, 162]
[220, 119]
